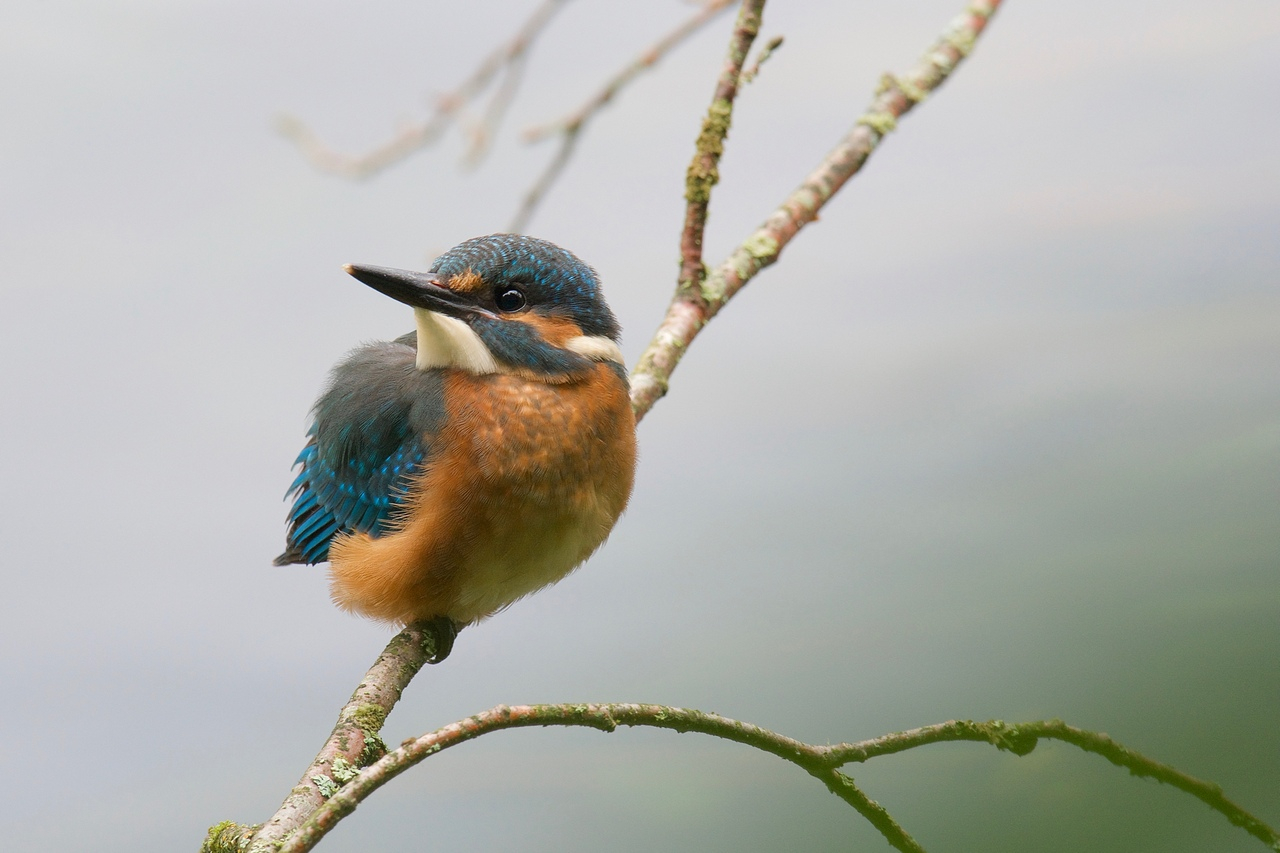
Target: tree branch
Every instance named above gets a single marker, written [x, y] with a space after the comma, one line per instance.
[605, 717]
[761, 58]
[355, 740]
[487, 128]
[819, 761]
[646, 60]
[1021, 739]
[571, 126]
[692, 307]
[535, 194]
[844, 788]
[334, 784]
[420, 135]
[704, 171]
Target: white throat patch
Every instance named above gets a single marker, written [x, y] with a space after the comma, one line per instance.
[449, 342]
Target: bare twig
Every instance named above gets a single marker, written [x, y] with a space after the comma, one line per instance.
[496, 109]
[692, 307]
[569, 127]
[646, 60]
[770, 46]
[354, 741]
[843, 787]
[819, 761]
[704, 169]
[420, 135]
[534, 196]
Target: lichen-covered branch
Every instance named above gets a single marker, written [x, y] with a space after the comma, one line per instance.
[571, 126]
[704, 168]
[355, 741]
[416, 136]
[822, 762]
[228, 837]
[692, 307]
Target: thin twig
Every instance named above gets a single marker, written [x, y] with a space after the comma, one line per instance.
[355, 740]
[819, 761]
[647, 59]
[1021, 739]
[422, 134]
[770, 46]
[534, 196]
[692, 308]
[570, 127]
[704, 169]
[843, 787]
[496, 109]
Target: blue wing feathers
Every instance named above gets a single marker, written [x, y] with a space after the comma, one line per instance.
[372, 433]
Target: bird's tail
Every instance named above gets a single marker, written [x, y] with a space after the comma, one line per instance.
[288, 558]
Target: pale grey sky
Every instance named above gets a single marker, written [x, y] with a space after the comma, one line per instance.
[998, 437]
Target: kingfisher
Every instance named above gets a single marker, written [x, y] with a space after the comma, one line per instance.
[478, 459]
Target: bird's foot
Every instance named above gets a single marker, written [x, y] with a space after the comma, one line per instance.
[444, 630]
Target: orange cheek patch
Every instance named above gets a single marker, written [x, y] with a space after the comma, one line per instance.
[554, 330]
[466, 282]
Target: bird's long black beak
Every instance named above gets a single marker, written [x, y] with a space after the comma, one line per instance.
[418, 289]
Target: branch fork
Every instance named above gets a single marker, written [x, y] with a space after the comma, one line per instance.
[354, 761]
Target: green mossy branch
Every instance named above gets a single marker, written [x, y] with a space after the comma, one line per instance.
[704, 169]
[228, 837]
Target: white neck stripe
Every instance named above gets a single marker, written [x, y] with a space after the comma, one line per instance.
[449, 342]
[595, 347]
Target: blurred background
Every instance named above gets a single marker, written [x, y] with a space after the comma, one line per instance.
[998, 437]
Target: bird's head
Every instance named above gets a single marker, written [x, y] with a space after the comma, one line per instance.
[505, 304]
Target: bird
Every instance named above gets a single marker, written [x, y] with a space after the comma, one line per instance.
[484, 456]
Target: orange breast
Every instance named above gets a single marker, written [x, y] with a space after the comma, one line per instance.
[525, 481]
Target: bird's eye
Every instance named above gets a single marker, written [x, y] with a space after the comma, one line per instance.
[511, 299]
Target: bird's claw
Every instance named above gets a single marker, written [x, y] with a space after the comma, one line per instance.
[444, 630]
